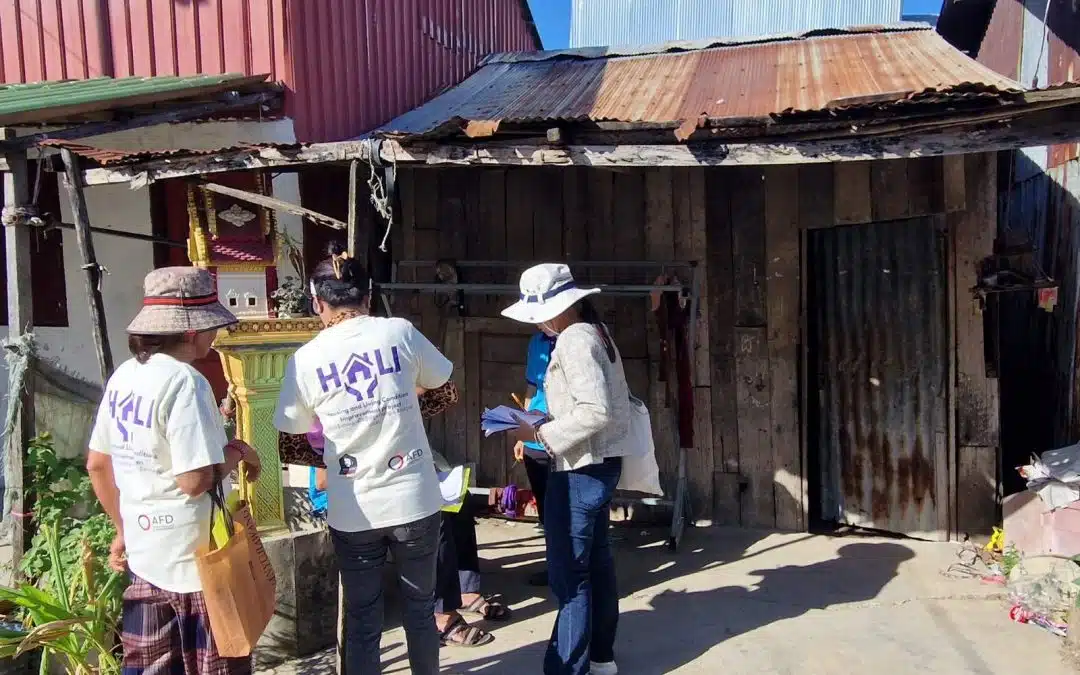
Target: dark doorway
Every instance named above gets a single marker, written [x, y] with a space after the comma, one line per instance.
[878, 374]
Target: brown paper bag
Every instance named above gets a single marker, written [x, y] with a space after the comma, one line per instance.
[239, 586]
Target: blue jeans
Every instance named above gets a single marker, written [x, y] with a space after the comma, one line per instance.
[581, 568]
[361, 556]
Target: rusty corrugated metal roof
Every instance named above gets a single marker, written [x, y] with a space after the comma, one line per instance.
[683, 84]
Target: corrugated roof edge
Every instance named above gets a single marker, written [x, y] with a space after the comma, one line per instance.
[589, 53]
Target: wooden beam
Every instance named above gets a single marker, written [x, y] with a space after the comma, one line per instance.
[73, 183]
[1047, 127]
[276, 204]
[269, 157]
[353, 230]
[186, 114]
[20, 322]
[1049, 130]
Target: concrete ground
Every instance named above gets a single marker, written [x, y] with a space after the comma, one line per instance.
[739, 601]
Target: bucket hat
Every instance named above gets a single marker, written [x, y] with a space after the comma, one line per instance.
[547, 290]
[180, 300]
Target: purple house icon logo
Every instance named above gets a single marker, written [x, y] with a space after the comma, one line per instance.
[360, 374]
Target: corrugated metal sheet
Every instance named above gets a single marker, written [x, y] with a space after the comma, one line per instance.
[618, 22]
[51, 101]
[880, 351]
[808, 73]
[1001, 46]
[348, 65]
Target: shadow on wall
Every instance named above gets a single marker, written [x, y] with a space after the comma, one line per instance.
[705, 619]
[1035, 353]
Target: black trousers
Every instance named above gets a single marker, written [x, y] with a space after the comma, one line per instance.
[537, 472]
[458, 562]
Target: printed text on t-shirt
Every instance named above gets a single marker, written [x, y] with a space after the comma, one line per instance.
[360, 374]
[132, 411]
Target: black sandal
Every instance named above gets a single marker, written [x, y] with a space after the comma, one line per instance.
[459, 633]
[488, 610]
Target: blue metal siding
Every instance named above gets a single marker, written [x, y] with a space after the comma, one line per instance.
[619, 22]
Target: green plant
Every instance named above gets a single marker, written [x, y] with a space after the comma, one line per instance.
[75, 620]
[71, 607]
[291, 298]
[1010, 559]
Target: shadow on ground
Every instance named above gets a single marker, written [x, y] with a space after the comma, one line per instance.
[701, 620]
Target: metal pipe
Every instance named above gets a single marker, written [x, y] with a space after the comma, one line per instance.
[512, 289]
[529, 263]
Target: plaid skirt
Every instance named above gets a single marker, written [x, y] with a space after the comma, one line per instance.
[167, 633]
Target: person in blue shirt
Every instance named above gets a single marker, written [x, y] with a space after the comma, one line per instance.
[317, 492]
[537, 465]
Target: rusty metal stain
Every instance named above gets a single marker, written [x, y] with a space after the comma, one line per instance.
[678, 85]
[878, 300]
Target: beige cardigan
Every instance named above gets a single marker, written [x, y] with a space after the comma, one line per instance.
[588, 401]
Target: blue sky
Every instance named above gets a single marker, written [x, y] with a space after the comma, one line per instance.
[553, 18]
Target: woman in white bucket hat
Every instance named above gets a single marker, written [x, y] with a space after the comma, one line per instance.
[158, 447]
[589, 408]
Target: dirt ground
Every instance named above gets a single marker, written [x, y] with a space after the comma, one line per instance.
[740, 601]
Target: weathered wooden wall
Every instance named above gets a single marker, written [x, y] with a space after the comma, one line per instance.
[745, 226]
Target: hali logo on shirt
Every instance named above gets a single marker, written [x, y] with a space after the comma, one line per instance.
[156, 521]
[361, 372]
[131, 411]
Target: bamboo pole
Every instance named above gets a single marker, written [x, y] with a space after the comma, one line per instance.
[74, 185]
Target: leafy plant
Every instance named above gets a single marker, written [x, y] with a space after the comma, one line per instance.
[292, 298]
[74, 621]
[71, 607]
[1010, 559]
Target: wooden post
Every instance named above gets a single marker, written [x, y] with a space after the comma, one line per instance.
[354, 250]
[74, 184]
[20, 322]
[354, 215]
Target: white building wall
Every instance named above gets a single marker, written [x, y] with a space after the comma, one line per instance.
[128, 261]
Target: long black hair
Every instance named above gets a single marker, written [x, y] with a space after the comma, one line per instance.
[588, 313]
[341, 281]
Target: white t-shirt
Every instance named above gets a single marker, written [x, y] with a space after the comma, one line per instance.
[360, 378]
[159, 420]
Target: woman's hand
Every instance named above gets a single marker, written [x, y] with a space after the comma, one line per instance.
[118, 554]
[525, 432]
[252, 463]
[519, 451]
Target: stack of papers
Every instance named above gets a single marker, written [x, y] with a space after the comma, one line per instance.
[504, 418]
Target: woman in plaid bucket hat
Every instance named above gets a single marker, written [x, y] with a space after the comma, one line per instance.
[157, 448]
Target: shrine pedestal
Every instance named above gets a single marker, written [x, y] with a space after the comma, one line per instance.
[253, 355]
[305, 614]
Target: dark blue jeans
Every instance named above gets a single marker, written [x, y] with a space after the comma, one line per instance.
[581, 568]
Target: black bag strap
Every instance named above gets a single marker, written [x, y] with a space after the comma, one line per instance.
[217, 503]
[609, 346]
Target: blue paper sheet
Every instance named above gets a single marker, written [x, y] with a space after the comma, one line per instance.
[504, 418]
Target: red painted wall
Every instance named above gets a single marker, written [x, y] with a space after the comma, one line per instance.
[348, 65]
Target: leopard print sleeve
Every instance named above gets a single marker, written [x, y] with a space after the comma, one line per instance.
[436, 401]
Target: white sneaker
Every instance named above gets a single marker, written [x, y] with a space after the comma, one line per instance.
[603, 668]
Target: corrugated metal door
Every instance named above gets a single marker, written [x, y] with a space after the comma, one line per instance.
[879, 355]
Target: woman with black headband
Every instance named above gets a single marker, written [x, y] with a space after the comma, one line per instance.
[361, 377]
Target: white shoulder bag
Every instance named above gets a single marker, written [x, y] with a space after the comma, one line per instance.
[640, 472]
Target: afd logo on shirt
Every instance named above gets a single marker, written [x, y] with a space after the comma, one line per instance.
[399, 462]
[361, 372]
[129, 411]
[156, 521]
